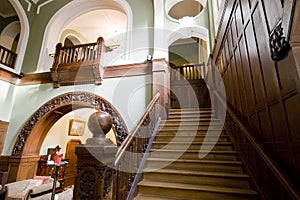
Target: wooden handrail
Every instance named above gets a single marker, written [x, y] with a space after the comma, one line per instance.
[7, 57]
[282, 178]
[131, 136]
[133, 152]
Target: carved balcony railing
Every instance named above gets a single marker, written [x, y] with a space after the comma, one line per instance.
[77, 64]
[132, 154]
[188, 72]
[7, 57]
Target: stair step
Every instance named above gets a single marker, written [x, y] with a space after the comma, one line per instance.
[194, 146]
[194, 192]
[152, 197]
[193, 124]
[198, 177]
[193, 154]
[191, 132]
[197, 165]
[189, 111]
[189, 120]
[190, 116]
[192, 138]
[177, 170]
[192, 128]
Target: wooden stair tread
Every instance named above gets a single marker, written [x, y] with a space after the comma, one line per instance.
[229, 162]
[196, 173]
[152, 197]
[194, 143]
[177, 173]
[185, 186]
[190, 120]
[192, 151]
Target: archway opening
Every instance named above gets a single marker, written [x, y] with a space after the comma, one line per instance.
[87, 21]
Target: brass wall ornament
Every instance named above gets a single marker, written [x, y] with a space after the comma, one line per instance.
[278, 44]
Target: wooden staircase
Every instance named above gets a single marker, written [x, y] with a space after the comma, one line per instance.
[175, 171]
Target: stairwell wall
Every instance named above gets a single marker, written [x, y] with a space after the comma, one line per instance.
[263, 92]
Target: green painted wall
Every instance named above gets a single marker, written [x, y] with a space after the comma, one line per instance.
[142, 19]
[38, 23]
[184, 54]
[129, 95]
[6, 100]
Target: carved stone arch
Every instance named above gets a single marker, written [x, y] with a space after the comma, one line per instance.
[35, 130]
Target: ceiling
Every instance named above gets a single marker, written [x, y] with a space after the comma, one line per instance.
[105, 22]
[185, 8]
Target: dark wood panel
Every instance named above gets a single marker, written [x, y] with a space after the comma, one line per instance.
[264, 92]
[292, 106]
[254, 63]
[245, 8]
[240, 78]
[8, 76]
[265, 126]
[247, 76]
[3, 132]
[273, 9]
[238, 19]
[135, 69]
[267, 65]
[278, 123]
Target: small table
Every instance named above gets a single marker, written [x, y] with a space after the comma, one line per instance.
[56, 165]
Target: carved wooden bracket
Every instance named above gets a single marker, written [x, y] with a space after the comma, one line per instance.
[278, 44]
[85, 99]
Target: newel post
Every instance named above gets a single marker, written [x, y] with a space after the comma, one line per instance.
[98, 68]
[95, 176]
[161, 83]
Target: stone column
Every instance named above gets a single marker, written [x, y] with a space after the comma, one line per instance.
[95, 175]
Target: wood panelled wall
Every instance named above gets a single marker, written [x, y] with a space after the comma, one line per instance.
[262, 92]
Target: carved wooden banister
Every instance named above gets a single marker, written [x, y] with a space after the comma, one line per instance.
[131, 155]
[7, 57]
[69, 59]
[188, 72]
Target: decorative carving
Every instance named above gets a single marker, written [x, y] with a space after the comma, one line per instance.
[147, 120]
[85, 99]
[87, 183]
[278, 44]
[109, 174]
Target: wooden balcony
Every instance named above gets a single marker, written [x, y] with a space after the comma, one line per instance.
[78, 64]
[7, 57]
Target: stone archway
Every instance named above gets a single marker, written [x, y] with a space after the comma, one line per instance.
[26, 150]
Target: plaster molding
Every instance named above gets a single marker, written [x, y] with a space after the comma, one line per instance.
[41, 5]
[29, 5]
[24, 34]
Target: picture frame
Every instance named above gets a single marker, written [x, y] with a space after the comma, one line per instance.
[76, 127]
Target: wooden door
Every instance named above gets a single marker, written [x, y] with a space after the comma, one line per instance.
[72, 159]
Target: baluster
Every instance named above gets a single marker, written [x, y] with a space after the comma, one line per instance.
[204, 69]
[72, 55]
[1, 53]
[5, 57]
